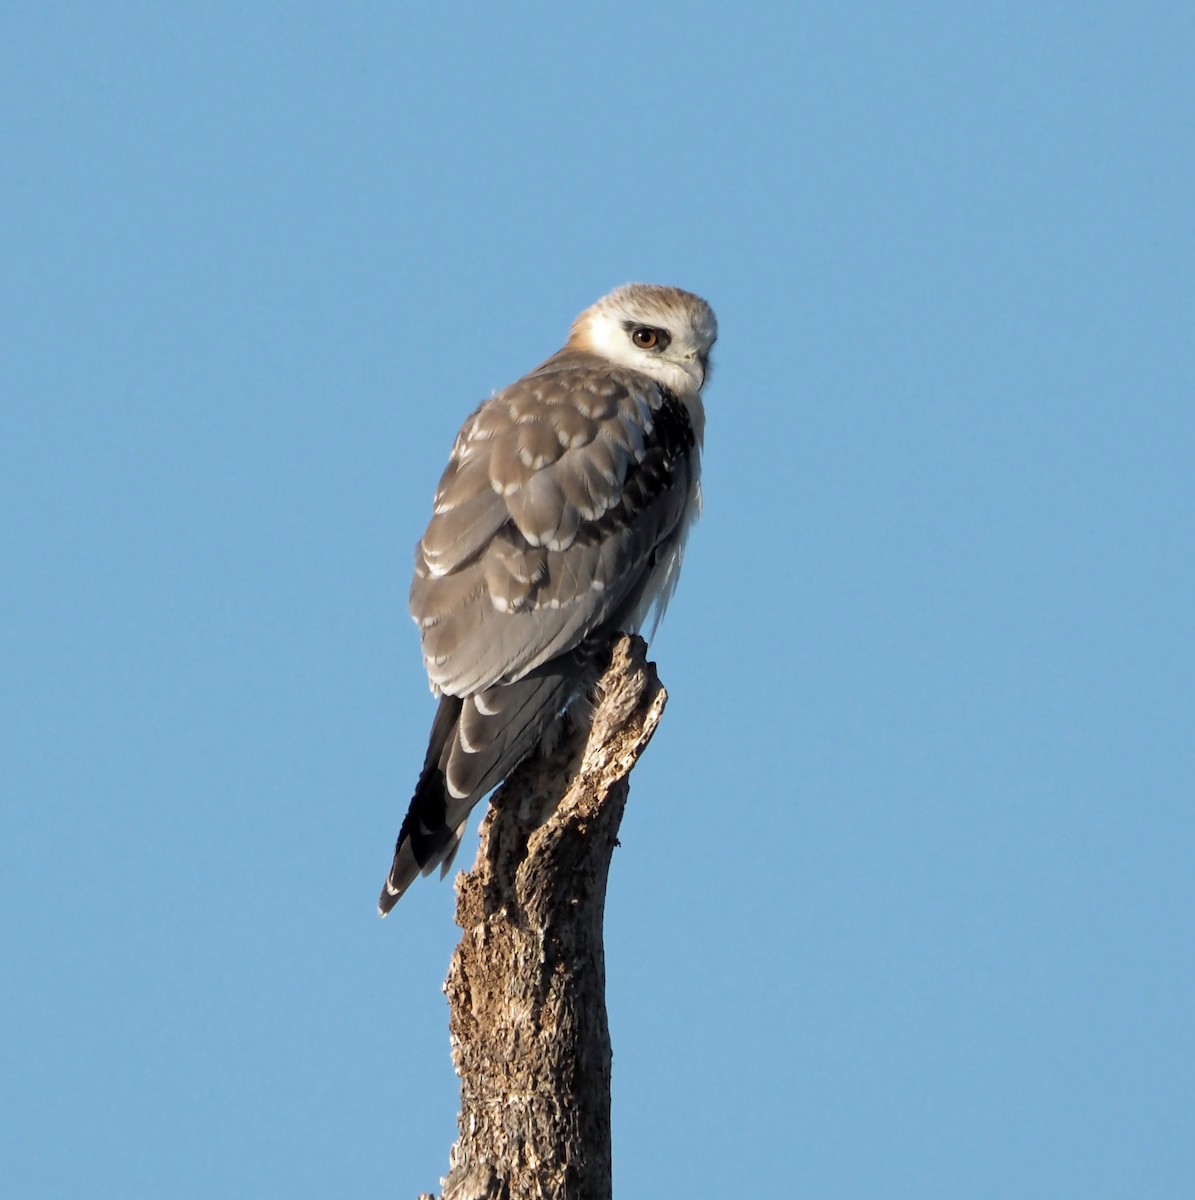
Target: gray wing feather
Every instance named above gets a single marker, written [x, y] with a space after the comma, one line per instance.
[467, 513]
[547, 520]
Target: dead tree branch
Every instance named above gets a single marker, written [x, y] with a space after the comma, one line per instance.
[527, 984]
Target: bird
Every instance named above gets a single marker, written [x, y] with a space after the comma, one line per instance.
[560, 521]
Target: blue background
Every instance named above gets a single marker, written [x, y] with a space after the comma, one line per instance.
[904, 904]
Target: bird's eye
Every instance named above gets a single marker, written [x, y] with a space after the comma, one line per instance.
[646, 338]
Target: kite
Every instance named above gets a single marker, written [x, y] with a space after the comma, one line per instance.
[559, 521]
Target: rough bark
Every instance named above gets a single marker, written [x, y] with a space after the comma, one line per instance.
[527, 984]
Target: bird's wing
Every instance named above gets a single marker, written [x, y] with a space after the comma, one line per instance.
[561, 494]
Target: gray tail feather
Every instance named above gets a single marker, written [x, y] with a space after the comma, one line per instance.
[476, 742]
[425, 838]
[422, 843]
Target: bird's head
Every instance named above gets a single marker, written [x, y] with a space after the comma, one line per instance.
[661, 332]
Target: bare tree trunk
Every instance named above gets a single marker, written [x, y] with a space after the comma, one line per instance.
[527, 984]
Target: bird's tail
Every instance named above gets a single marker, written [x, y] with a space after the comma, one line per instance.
[475, 743]
[425, 838]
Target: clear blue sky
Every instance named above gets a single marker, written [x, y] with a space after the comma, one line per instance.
[905, 904]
